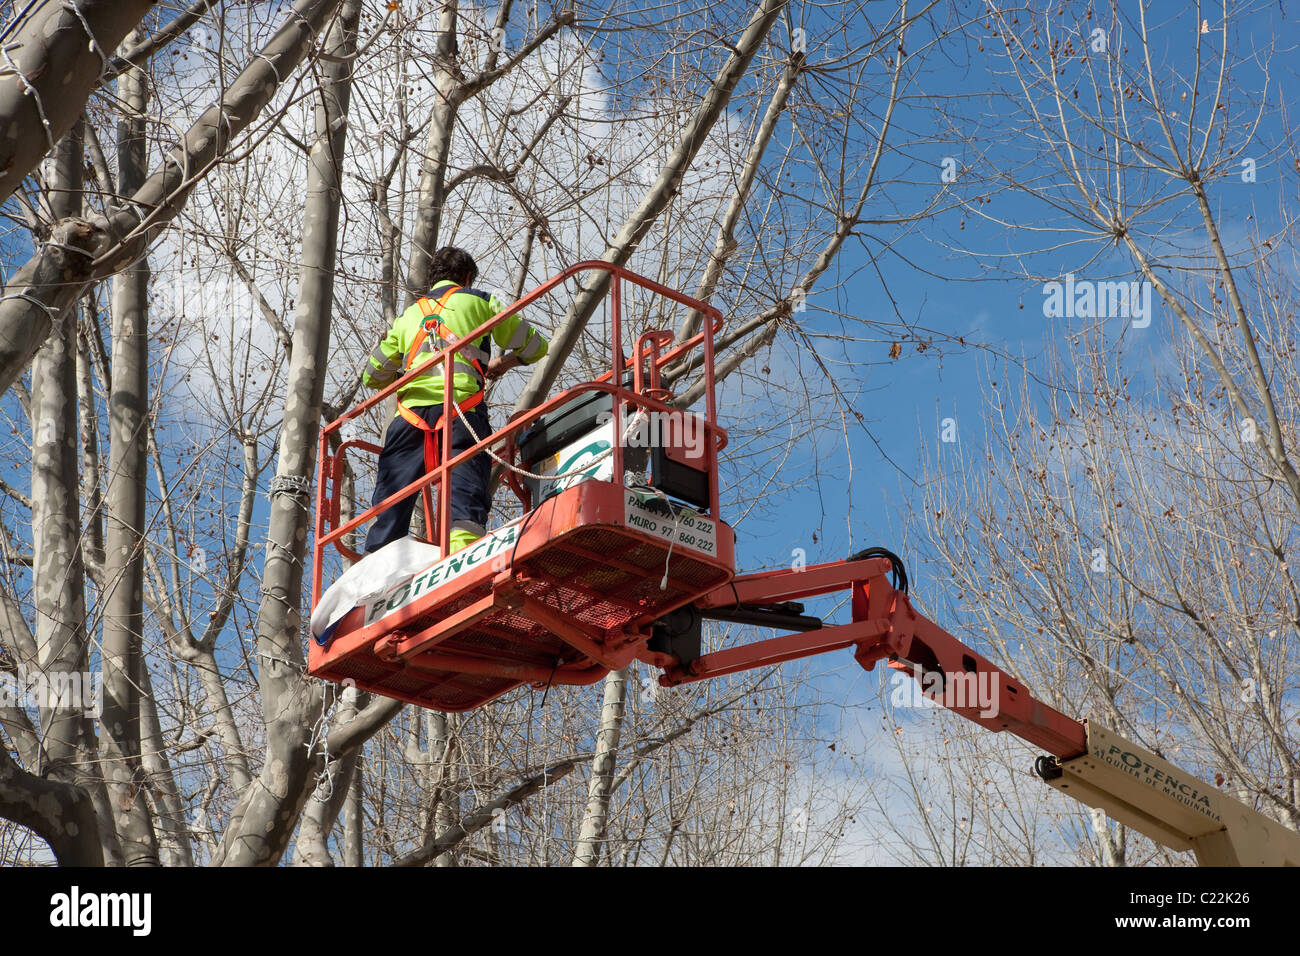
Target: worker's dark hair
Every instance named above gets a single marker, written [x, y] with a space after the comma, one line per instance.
[454, 264]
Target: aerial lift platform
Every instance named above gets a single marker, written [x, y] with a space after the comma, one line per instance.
[620, 553]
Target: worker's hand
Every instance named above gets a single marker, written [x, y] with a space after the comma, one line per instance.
[500, 365]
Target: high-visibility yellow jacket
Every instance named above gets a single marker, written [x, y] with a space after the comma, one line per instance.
[464, 311]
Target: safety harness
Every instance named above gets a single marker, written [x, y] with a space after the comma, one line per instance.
[433, 325]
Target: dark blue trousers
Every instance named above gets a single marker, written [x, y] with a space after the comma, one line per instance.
[402, 462]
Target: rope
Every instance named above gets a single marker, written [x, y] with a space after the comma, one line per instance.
[528, 474]
[271, 63]
[281, 660]
[677, 519]
[67, 248]
[320, 734]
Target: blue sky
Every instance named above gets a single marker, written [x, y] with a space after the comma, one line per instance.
[865, 483]
[906, 399]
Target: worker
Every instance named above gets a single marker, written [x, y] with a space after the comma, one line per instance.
[412, 445]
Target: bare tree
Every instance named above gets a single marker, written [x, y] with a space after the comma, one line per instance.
[122, 640]
[263, 828]
[1120, 534]
[246, 290]
[79, 252]
[55, 54]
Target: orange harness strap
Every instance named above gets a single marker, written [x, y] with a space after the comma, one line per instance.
[431, 312]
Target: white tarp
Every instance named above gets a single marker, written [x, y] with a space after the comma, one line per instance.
[370, 577]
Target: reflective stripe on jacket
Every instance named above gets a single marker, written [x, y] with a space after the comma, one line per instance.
[463, 312]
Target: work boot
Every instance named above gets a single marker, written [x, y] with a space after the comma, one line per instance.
[460, 538]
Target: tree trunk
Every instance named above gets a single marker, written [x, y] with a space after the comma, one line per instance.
[600, 788]
[124, 498]
[175, 841]
[61, 814]
[725, 244]
[354, 824]
[61, 639]
[654, 202]
[1111, 841]
[433, 172]
[51, 66]
[441, 758]
[92, 550]
[56, 516]
[62, 810]
[270, 809]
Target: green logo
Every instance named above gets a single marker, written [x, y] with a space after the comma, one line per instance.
[578, 460]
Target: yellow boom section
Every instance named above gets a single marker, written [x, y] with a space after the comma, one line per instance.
[1173, 808]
